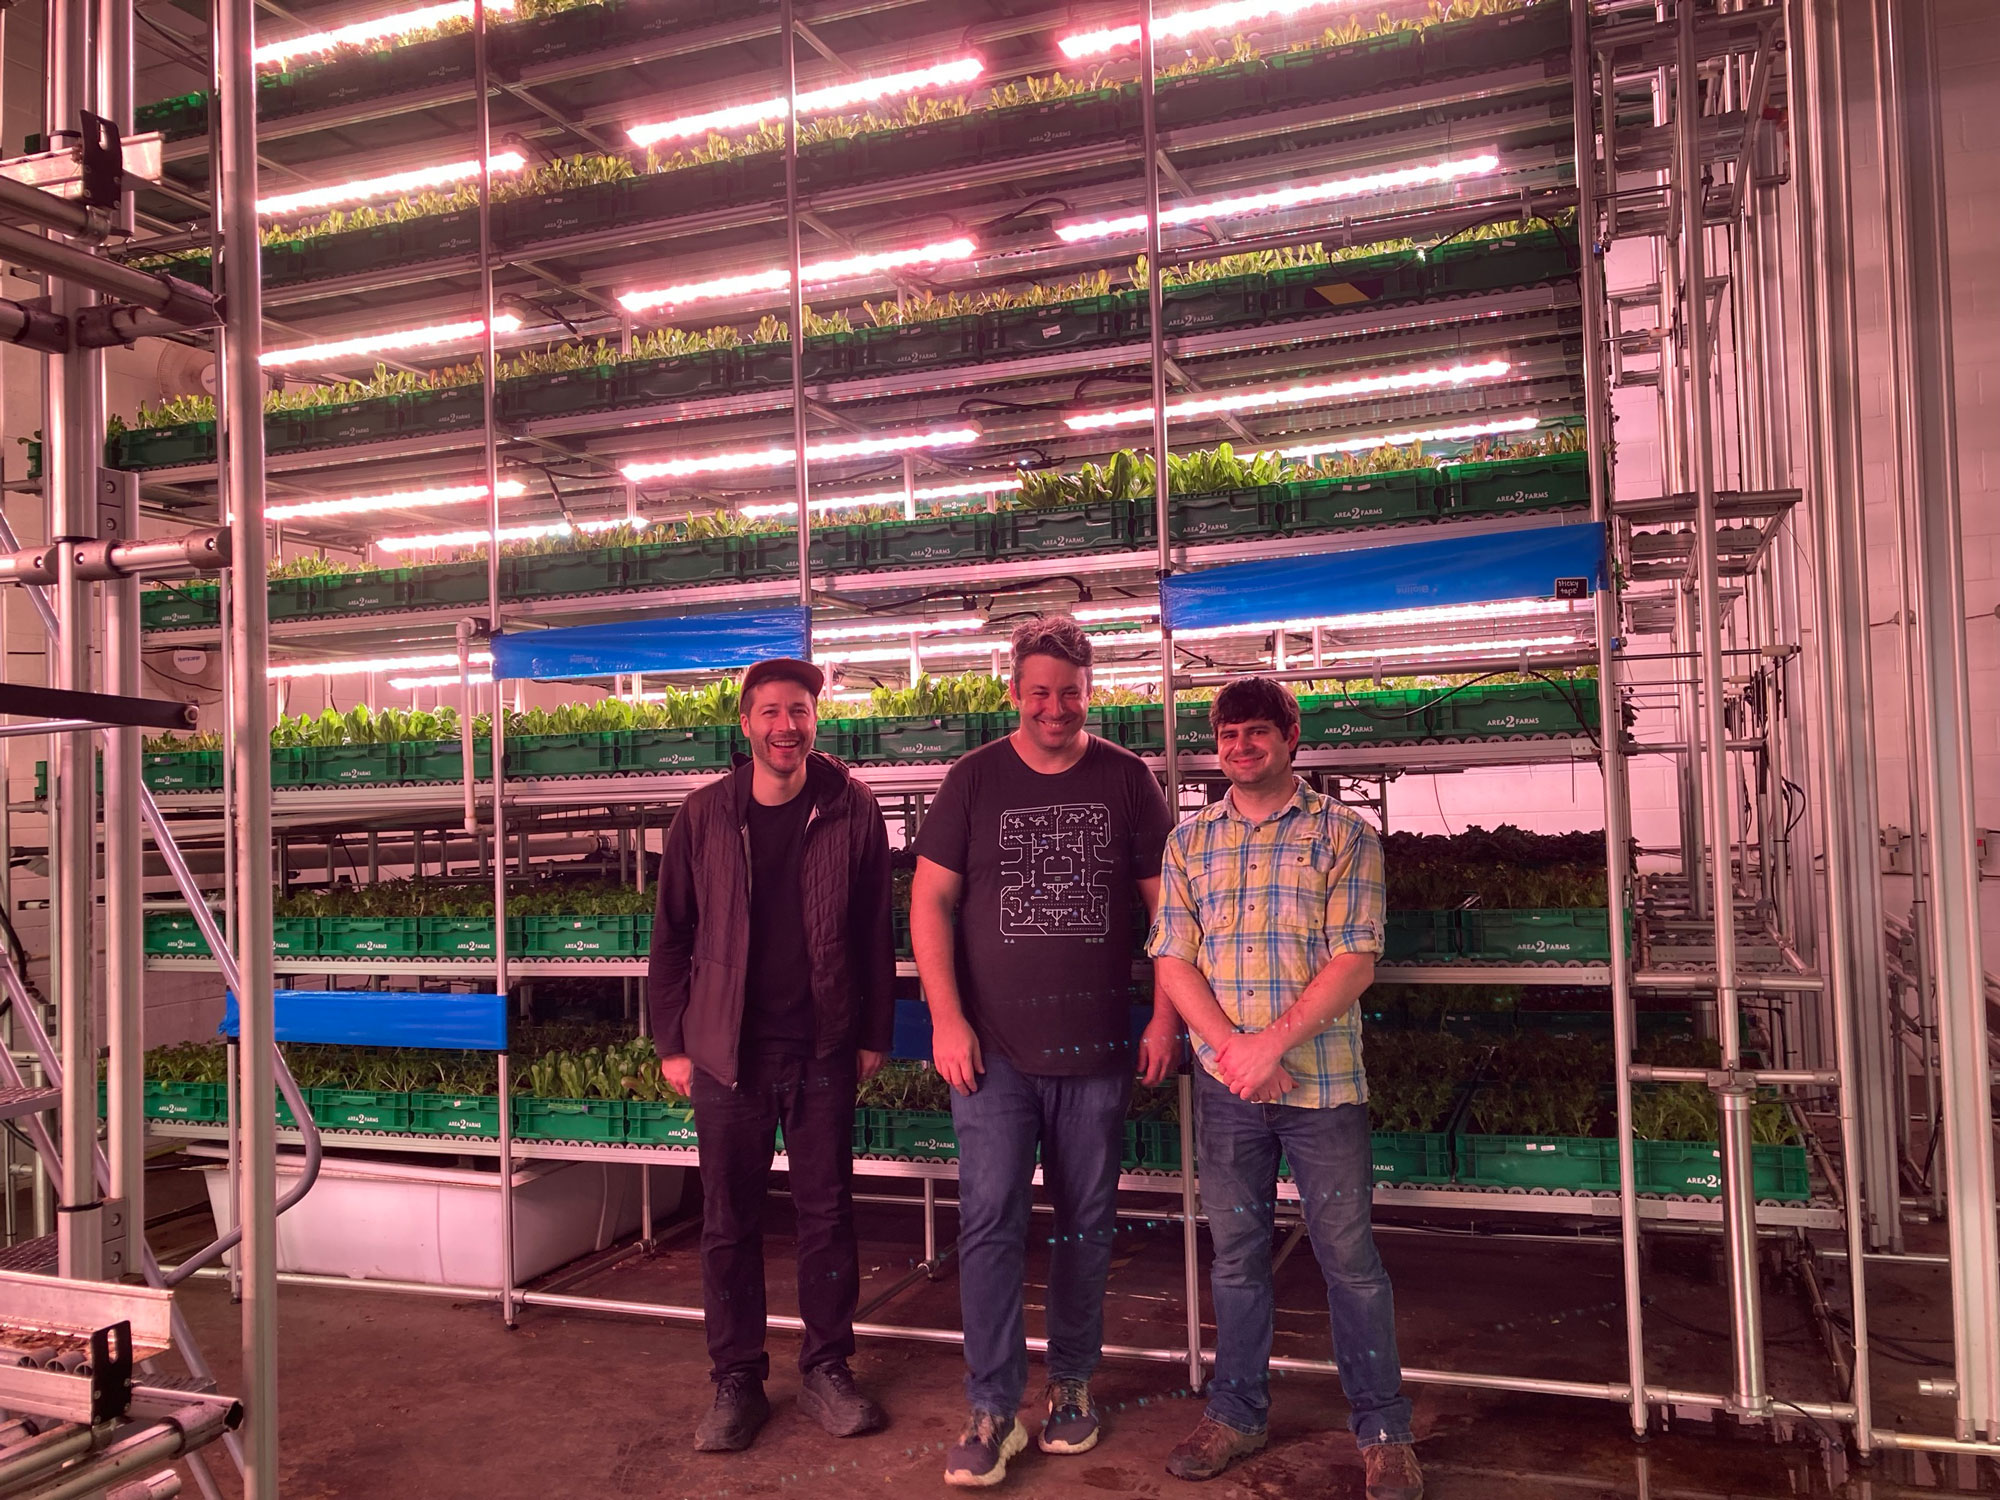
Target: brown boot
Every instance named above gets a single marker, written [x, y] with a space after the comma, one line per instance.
[1392, 1472]
[1212, 1447]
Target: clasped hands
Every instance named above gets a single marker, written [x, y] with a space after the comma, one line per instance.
[1248, 1063]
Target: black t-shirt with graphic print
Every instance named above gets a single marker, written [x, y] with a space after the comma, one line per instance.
[1046, 916]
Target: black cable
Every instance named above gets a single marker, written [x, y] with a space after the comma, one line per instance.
[1789, 1336]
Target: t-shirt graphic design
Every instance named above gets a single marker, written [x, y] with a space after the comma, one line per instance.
[1055, 862]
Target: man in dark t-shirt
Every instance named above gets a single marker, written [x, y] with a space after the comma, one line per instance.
[1040, 846]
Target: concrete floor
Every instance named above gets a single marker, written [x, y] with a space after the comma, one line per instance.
[396, 1395]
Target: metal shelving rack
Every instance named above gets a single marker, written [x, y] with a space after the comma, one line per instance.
[1702, 627]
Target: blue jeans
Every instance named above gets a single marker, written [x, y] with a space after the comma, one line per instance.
[1080, 1125]
[1239, 1145]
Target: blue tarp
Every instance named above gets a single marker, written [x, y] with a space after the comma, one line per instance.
[671, 643]
[386, 1018]
[1409, 575]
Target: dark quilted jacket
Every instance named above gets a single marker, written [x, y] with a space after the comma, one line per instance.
[701, 932]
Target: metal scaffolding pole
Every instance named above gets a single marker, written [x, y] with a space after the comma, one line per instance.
[73, 396]
[1739, 1216]
[1617, 809]
[1834, 423]
[1919, 311]
[242, 409]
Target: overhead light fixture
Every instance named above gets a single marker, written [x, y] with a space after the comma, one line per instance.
[359, 666]
[858, 630]
[1333, 190]
[1317, 392]
[1368, 444]
[1458, 648]
[1187, 23]
[382, 28]
[984, 646]
[394, 185]
[473, 537]
[435, 336]
[811, 102]
[825, 451]
[884, 497]
[1435, 614]
[457, 494]
[812, 273]
[446, 679]
[1085, 614]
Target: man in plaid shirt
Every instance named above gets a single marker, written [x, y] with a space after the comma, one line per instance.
[1270, 920]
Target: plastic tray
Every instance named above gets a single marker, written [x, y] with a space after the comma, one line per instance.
[911, 1135]
[476, 1115]
[569, 1119]
[628, 936]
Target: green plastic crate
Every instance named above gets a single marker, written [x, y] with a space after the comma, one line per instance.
[193, 1103]
[443, 760]
[180, 606]
[1388, 499]
[1063, 325]
[1522, 710]
[1226, 515]
[369, 591]
[569, 1119]
[1420, 937]
[656, 1122]
[705, 747]
[182, 770]
[1531, 1163]
[368, 937]
[455, 937]
[1536, 935]
[291, 766]
[1366, 718]
[915, 346]
[162, 447]
[592, 754]
[1504, 486]
[1142, 728]
[591, 570]
[899, 924]
[297, 937]
[1105, 526]
[658, 565]
[940, 737]
[353, 765]
[359, 1109]
[1409, 1156]
[1152, 1146]
[628, 936]
[476, 1115]
[441, 585]
[960, 538]
[911, 1135]
[173, 934]
[291, 598]
[1680, 1169]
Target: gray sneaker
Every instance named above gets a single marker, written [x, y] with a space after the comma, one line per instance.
[1072, 1425]
[731, 1423]
[980, 1459]
[829, 1397]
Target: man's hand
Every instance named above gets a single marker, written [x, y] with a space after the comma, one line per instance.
[679, 1074]
[867, 1064]
[955, 1053]
[1249, 1063]
[1159, 1049]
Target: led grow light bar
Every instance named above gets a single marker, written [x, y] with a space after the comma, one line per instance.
[448, 679]
[1435, 614]
[381, 28]
[814, 273]
[432, 337]
[884, 497]
[888, 629]
[1434, 378]
[1333, 190]
[358, 666]
[811, 102]
[1086, 613]
[1187, 23]
[1458, 648]
[393, 185]
[457, 494]
[777, 458]
[1394, 439]
[473, 538]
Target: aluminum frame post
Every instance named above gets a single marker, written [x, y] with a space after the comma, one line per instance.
[1748, 1394]
[1919, 310]
[73, 398]
[1842, 551]
[796, 250]
[1617, 808]
[242, 409]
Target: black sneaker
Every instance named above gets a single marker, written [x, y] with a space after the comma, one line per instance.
[980, 1459]
[829, 1397]
[731, 1424]
[1072, 1425]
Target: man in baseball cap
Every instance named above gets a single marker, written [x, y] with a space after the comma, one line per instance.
[776, 874]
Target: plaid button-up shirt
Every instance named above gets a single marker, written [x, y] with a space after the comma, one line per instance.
[1260, 908]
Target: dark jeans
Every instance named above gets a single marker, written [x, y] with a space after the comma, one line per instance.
[1080, 1125]
[1239, 1145]
[736, 1129]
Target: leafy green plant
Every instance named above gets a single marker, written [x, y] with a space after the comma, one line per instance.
[969, 693]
